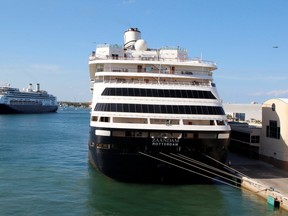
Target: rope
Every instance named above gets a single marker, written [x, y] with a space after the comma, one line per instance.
[242, 174]
[197, 167]
[206, 165]
[223, 182]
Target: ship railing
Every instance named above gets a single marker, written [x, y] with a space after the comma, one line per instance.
[154, 70]
[154, 82]
[155, 58]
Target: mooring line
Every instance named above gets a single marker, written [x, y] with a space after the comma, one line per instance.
[206, 165]
[230, 168]
[197, 167]
[215, 179]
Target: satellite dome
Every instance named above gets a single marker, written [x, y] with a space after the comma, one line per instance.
[140, 45]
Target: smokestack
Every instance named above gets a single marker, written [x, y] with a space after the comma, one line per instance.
[30, 88]
[130, 37]
[38, 87]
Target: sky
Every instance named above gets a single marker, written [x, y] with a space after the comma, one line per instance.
[49, 42]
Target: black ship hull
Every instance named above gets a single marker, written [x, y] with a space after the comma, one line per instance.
[26, 109]
[150, 160]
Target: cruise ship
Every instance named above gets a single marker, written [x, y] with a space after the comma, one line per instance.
[12, 100]
[151, 107]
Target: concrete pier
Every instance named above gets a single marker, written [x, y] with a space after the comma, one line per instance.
[262, 178]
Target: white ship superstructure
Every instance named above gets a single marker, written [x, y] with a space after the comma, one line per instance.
[12, 100]
[147, 101]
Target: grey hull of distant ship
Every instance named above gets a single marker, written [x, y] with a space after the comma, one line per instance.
[26, 109]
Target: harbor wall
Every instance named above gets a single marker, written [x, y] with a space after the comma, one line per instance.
[265, 192]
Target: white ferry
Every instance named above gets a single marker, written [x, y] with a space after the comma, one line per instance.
[12, 100]
[149, 104]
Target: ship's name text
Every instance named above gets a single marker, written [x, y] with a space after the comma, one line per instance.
[165, 141]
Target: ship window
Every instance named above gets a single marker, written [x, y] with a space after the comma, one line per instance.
[103, 146]
[210, 109]
[114, 56]
[166, 93]
[144, 108]
[189, 135]
[220, 122]
[157, 109]
[187, 109]
[95, 118]
[125, 91]
[149, 69]
[206, 94]
[139, 92]
[113, 107]
[99, 67]
[109, 91]
[138, 108]
[154, 108]
[151, 108]
[200, 94]
[139, 68]
[184, 94]
[161, 93]
[195, 94]
[176, 110]
[172, 93]
[181, 110]
[118, 91]
[155, 93]
[118, 108]
[132, 108]
[190, 94]
[169, 109]
[129, 133]
[104, 119]
[118, 133]
[125, 107]
[106, 91]
[193, 109]
[205, 110]
[149, 93]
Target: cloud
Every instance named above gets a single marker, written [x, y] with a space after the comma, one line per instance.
[128, 1]
[273, 93]
[258, 78]
[45, 68]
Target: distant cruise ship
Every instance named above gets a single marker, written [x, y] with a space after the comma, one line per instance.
[12, 100]
[152, 108]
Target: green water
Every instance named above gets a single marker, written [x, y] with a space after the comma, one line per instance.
[44, 170]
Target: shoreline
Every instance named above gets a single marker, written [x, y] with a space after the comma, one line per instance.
[263, 179]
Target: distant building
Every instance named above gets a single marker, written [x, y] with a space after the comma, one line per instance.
[245, 134]
[274, 136]
[244, 112]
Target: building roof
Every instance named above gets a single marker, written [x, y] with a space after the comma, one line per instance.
[285, 100]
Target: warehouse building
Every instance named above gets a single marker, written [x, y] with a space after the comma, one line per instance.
[260, 130]
[274, 134]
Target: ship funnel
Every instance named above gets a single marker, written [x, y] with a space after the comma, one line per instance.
[38, 87]
[30, 88]
[130, 37]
